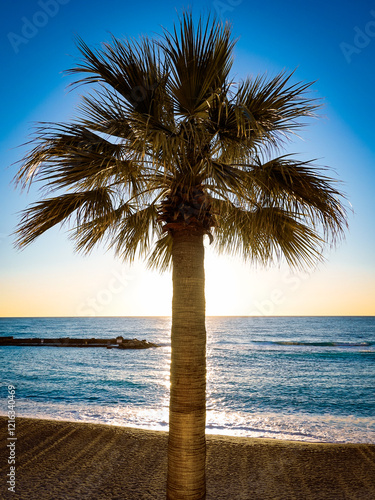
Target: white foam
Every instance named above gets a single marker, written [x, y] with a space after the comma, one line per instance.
[298, 427]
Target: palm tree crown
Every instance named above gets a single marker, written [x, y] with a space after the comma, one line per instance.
[166, 140]
[166, 149]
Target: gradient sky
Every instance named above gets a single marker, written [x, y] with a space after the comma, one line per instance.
[330, 42]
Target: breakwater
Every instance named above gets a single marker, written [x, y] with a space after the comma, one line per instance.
[114, 343]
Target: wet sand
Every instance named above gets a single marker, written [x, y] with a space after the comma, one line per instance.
[59, 460]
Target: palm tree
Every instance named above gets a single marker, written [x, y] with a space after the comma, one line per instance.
[166, 150]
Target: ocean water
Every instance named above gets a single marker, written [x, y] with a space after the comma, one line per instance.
[299, 378]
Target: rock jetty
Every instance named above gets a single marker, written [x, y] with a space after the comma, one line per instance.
[115, 343]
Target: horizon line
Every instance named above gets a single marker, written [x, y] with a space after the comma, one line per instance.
[207, 316]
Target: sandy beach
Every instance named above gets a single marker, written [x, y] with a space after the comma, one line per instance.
[69, 460]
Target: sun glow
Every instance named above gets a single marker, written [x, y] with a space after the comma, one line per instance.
[224, 295]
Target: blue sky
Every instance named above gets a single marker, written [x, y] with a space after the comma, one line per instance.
[332, 43]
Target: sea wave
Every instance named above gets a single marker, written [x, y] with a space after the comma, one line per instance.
[315, 344]
[297, 426]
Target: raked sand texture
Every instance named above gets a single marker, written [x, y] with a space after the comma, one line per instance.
[67, 460]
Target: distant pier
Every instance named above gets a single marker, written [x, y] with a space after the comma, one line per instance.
[114, 343]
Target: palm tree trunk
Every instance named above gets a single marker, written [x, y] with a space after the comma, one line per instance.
[187, 411]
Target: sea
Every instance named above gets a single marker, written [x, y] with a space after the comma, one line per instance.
[291, 378]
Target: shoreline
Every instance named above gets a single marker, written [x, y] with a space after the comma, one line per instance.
[58, 459]
[295, 432]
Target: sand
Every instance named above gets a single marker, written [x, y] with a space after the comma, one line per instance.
[59, 460]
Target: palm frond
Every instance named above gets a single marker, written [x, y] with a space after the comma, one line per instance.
[101, 227]
[272, 108]
[104, 111]
[161, 256]
[133, 70]
[71, 156]
[135, 233]
[44, 215]
[300, 186]
[199, 60]
[265, 235]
